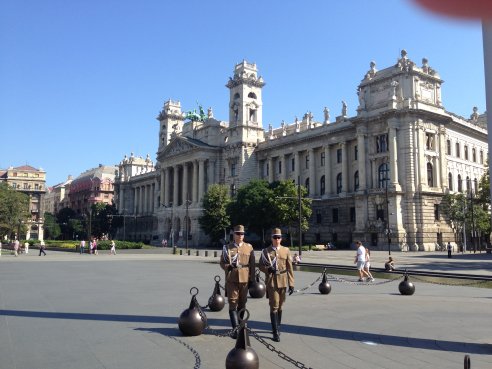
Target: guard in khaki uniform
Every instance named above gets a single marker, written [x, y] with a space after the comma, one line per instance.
[276, 263]
[238, 262]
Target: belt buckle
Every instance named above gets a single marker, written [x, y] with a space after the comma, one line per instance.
[239, 266]
[277, 272]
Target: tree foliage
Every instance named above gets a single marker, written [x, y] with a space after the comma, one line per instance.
[52, 229]
[14, 209]
[215, 220]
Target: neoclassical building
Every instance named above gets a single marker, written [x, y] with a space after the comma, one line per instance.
[379, 175]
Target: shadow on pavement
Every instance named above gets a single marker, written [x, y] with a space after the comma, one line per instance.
[384, 339]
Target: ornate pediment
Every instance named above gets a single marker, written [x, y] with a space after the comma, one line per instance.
[178, 146]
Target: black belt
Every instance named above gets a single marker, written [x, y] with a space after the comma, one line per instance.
[240, 266]
[280, 271]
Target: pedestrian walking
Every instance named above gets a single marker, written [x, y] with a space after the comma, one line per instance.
[0, 249]
[450, 249]
[113, 248]
[26, 247]
[42, 247]
[94, 247]
[82, 247]
[238, 262]
[16, 247]
[367, 265]
[360, 260]
[276, 263]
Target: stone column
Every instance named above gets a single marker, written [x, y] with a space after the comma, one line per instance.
[163, 186]
[421, 156]
[344, 167]
[201, 178]
[327, 170]
[145, 205]
[442, 157]
[195, 182]
[185, 183]
[297, 163]
[393, 152]
[152, 197]
[166, 187]
[312, 173]
[271, 169]
[122, 201]
[283, 165]
[361, 161]
[175, 184]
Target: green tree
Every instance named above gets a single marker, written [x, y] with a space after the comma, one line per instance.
[285, 205]
[51, 228]
[102, 219]
[14, 209]
[215, 220]
[252, 207]
[484, 188]
[63, 218]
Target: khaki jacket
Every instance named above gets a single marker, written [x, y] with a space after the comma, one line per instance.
[243, 268]
[285, 276]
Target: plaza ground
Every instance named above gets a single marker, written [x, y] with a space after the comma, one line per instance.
[66, 310]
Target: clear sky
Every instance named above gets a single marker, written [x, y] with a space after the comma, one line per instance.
[81, 82]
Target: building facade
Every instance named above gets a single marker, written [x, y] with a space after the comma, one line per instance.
[378, 176]
[56, 197]
[31, 181]
[95, 185]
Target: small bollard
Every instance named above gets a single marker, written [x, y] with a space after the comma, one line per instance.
[197, 253]
[181, 252]
[175, 250]
[406, 287]
[215, 254]
[189, 252]
[206, 253]
[193, 320]
[242, 356]
[324, 287]
[467, 362]
[216, 301]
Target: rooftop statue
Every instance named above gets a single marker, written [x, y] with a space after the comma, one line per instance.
[196, 117]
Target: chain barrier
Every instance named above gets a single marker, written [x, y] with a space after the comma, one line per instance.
[280, 354]
[198, 360]
[358, 283]
[474, 283]
[310, 285]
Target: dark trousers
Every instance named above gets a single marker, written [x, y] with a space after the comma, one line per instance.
[41, 251]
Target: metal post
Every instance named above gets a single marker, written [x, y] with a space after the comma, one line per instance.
[124, 228]
[186, 223]
[300, 214]
[473, 222]
[90, 223]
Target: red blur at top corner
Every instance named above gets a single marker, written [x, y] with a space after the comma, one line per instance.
[478, 9]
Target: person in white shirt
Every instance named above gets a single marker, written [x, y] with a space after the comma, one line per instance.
[360, 260]
[26, 247]
[113, 248]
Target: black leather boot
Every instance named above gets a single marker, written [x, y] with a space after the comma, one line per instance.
[234, 322]
[274, 320]
[279, 313]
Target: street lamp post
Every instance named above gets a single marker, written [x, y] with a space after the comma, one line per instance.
[473, 222]
[187, 202]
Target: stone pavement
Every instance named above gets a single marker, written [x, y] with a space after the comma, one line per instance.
[81, 311]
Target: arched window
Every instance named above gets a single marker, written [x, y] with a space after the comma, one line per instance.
[430, 175]
[307, 185]
[383, 175]
[450, 181]
[474, 155]
[236, 96]
[339, 182]
[252, 95]
[460, 183]
[466, 152]
[322, 185]
[356, 181]
[468, 184]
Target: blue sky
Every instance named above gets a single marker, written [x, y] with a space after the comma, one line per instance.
[82, 81]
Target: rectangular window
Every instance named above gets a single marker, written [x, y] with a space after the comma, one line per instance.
[318, 216]
[481, 157]
[466, 152]
[26, 186]
[279, 167]
[458, 154]
[322, 159]
[356, 153]
[436, 212]
[448, 143]
[334, 215]
[352, 215]
[267, 170]
[307, 161]
[339, 155]
[292, 164]
[380, 212]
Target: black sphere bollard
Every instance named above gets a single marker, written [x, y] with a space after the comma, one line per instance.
[216, 302]
[257, 289]
[189, 252]
[467, 362]
[324, 287]
[181, 252]
[215, 254]
[193, 320]
[197, 253]
[406, 287]
[242, 356]
[206, 253]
